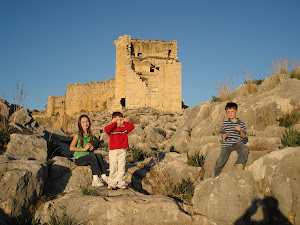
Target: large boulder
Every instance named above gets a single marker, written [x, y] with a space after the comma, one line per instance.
[227, 198]
[277, 175]
[65, 176]
[30, 146]
[173, 167]
[24, 118]
[117, 210]
[22, 183]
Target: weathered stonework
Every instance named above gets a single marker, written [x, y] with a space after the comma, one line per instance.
[148, 74]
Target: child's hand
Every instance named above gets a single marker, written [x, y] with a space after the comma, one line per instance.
[89, 146]
[238, 128]
[224, 136]
[114, 120]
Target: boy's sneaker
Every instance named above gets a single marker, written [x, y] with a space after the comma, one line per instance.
[239, 167]
[104, 178]
[97, 183]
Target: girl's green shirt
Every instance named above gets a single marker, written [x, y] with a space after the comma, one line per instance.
[86, 140]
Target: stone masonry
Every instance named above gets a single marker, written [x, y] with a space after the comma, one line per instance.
[148, 74]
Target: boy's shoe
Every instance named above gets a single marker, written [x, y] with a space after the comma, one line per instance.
[111, 188]
[97, 183]
[104, 178]
[239, 167]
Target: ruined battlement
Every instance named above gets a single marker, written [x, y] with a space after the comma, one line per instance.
[148, 74]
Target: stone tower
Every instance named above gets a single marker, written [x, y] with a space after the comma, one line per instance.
[148, 74]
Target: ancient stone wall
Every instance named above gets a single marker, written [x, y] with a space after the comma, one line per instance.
[93, 96]
[148, 74]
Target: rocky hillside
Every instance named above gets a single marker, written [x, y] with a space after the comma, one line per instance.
[170, 165]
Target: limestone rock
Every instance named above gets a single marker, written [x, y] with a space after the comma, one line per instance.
[30, 146]
[65, 176]
[226, 198]
[24, 118]
[21, 184]
[277, 174]
[174, 167]
[118, 210]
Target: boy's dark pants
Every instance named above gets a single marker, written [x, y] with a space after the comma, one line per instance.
[94, 160]
[242, 151]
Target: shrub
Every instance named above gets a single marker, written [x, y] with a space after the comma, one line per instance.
[215, 99]
[189, 131]
[172, 129]
[184, 190]
[4, 139]
[86, 191]
[258, 146]
[295, 74]
[225, 90]
[62, 219]
[291, 137]
[288, 120]
[196, 160]
[137, 154]
[161, 131]
[159, 181]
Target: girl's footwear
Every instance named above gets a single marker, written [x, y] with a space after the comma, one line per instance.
[97, 183]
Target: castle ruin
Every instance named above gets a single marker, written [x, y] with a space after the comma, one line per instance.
[148, 74]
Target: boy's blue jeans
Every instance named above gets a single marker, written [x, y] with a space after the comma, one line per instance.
[242, 151]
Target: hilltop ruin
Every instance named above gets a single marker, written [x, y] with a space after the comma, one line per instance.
[148, 74]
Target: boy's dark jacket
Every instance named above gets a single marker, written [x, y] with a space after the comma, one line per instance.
[118, 135]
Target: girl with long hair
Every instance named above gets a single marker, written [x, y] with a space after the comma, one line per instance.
[82, 144]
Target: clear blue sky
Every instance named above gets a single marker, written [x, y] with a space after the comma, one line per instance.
[47, 44]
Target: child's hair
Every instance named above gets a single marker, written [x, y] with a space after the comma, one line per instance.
[115, 114]
[81, 130]
[231, 105]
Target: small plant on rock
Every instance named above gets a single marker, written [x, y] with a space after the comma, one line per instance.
[196, 160]
[4, 139]
[184, 190]
[137, 154]
[288, 120]
[87, 191]
[63, 219]
[161, 131]
[189, 131]
[291, 137]
[215, 99]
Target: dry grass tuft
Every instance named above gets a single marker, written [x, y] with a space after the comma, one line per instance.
[258, 146]
[225, 90]
[280, 65]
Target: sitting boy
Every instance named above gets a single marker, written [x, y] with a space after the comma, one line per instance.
[233, 132]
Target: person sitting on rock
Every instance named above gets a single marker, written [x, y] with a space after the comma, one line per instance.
[82, 144]
[118, 143]
[233, 132]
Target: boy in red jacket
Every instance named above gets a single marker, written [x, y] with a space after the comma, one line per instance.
[118, 143]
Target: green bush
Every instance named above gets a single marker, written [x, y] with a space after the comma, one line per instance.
[137, 154]
[291, 137]
[295, 74]
[161, 131]
[184, 190]
[62, 219]
[172, 129]
[288, 120]
[196, 160]
[189, 131]
[4, 139]
[257, 82]
[215, 99]
[86, 191]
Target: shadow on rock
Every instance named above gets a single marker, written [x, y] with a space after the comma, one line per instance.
[272, 214]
